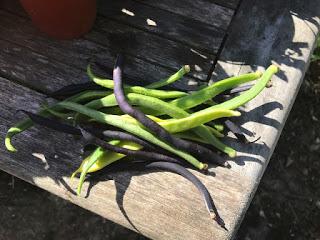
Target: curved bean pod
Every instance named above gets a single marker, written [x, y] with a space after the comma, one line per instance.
[173, 78]
[249, 94]
[136, 89]
[205, 94]
[27, 123]
[112, 134]
[180, 170]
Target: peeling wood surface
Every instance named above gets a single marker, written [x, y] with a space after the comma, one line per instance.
[158, 205]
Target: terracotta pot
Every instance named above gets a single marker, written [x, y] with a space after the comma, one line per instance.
[62, 19]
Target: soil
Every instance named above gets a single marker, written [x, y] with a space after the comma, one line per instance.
[286, 205]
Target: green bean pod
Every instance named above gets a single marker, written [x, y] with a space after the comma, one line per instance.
[205, 94]
[107, 83]
[192, 121]
[249, 94]
[173, 78]
[27, 123]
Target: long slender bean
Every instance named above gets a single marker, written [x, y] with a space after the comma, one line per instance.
[137, 89]
[195, 120]
[180, 170]
[112, 134]
[124, 124]
[249, 94]
[51, 123]
[158, 84]
[88, 165]
[27, 123]
[183, 124]
[161, 132]
[73, 89]
[173, 78]
[205, 94]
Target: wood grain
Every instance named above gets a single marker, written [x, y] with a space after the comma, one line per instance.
[192, 33]
[257, 45]
[202, 10]
[107, 34]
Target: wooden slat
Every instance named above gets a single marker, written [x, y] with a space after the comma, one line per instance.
[280, 32]
[195, 34]
[160, 51]
[202, 10]
[114, 36]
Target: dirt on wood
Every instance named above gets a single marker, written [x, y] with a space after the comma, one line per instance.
[286, 205]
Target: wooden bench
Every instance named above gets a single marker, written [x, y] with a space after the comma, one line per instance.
[158, 37]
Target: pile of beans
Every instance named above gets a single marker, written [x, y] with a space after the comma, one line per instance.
[150, 128]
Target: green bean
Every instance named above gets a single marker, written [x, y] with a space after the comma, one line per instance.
[195, 120]
[249, 94]
[97, 165]
[136, 89]
[214, 131]
[118, 121]
[183, 124]
[64, 116]
[184, 70]
[191, 136]
[92, 160]
[217, 126]
[205, 94]
[27, 123]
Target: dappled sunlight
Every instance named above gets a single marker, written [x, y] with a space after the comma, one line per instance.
[43, 159]
[127, 12]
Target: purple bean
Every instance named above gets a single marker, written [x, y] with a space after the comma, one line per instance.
[119, 135]
[74, 89]
[124, 165]
[51, 123]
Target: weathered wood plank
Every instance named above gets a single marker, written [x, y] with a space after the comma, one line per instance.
[114, 36]
[47, 74]
[202, 10]
[280, 32]
[155, 49]
[197, 35]
[194, 34]
[177, 204]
